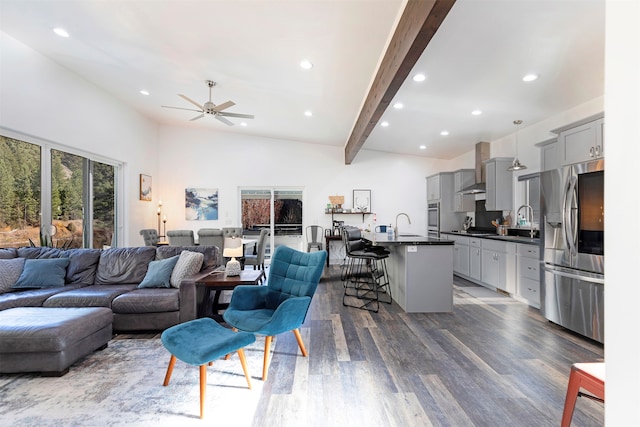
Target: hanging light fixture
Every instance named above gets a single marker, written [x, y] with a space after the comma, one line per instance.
[516, 166]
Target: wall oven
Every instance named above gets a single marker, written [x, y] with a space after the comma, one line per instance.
[433, 220]
[572, 232]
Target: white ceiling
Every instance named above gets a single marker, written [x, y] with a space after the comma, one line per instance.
[252, 49]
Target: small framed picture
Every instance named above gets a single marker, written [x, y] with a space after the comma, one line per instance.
[362, 200]
[145, 187]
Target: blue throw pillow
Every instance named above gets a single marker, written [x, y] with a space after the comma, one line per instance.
[159, 273]
[42, 273]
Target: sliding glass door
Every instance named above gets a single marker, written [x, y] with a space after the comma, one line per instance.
[279, 210]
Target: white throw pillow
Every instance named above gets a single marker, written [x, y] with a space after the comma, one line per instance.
[10, 271]
[189, 263]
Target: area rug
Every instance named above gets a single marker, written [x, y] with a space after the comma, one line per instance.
[122, 385]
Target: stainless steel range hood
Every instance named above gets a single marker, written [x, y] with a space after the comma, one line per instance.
[480, 186]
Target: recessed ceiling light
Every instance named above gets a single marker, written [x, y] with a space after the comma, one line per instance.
[61, 32]
[307, 65]
[243, 124]
[419, 78]
[444, 133]
[144, 92]
[476, 112]
[423, 147]
[530, 77]
[384, 124]
[398, 105]
[308, 113]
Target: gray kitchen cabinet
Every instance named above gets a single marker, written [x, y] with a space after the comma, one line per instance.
[549, 157]
[499, 196]
[529, 274]
[460, 255]
[499, 265]
[433, 188]
[475, 258]
[581, 141]
[462, 179]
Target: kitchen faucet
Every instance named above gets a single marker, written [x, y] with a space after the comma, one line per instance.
[530, 209]
[408, 219]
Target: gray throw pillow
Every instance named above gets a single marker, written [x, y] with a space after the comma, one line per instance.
[10, 270]
[159, 273]
[189, 263]
[42, 273]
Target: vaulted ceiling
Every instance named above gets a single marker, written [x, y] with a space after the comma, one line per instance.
[252, 49]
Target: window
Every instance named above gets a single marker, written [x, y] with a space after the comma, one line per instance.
[75, 197]
[531, 196]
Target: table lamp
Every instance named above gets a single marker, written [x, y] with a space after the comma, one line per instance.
[233, 266]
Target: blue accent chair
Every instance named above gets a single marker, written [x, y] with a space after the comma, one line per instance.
[281, 305]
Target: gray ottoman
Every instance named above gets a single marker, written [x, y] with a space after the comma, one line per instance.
[49, 340]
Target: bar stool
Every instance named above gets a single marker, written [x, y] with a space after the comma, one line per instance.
[364, 274]
[590, 377]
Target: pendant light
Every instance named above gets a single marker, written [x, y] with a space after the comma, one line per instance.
[516, 166]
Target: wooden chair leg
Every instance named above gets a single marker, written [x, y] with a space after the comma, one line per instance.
[243, 361]
[267, 349]
[203, 387]
[296, 332]
[167, 377]
[570, 400]
[227, 356]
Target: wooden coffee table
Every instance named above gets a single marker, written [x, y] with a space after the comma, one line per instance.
[218, 281]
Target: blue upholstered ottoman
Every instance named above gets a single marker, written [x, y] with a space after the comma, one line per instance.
[199, 342]
[49, 340]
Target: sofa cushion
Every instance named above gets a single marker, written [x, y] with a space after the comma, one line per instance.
[30, 297]
[210, 253]
[42, 273]
[159, 273]
[88, 296]
[124, 265]
[148, 300]
[83, 264]
[188, 263]
[10, 270]
[39, 252]
[8, 253]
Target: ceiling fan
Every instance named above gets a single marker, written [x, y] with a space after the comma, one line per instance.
[211, 108]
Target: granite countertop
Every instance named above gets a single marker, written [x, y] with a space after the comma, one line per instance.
[382, 239]
[492, 236]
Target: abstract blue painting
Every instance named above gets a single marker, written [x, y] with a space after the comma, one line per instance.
[201, 204]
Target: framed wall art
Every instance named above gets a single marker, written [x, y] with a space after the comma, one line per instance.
[201, 204]
[145, 187]
[362, 200]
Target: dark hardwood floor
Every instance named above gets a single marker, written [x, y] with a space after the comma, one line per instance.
[492, 362]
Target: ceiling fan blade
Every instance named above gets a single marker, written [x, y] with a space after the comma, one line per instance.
[242, 116]
[180, 108]
[223, 120]
[186, 98]
[223, 106]
[197, 117]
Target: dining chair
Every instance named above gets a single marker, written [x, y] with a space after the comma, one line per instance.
[150, 236]
[314, 237]
[257, 260]
[282, 304]
[181, 238]
[211, 237]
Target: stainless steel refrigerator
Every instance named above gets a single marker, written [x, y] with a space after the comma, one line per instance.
[572, 232]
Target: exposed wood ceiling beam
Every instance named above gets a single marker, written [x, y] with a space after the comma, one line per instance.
[419, 22]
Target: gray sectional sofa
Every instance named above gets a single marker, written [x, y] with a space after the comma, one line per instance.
[79, 297]
[110, 278]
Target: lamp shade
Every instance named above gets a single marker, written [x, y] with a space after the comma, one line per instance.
[232, 252]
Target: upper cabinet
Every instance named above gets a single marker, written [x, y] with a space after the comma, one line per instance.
[549, 157]
[499, 195]
[433, 188]
[462, 179]
[581, 141]
[440, 189]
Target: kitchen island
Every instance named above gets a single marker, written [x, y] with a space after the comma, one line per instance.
[420, 271]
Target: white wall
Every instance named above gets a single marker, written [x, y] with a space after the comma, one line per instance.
[43, 101]
[213, 159]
